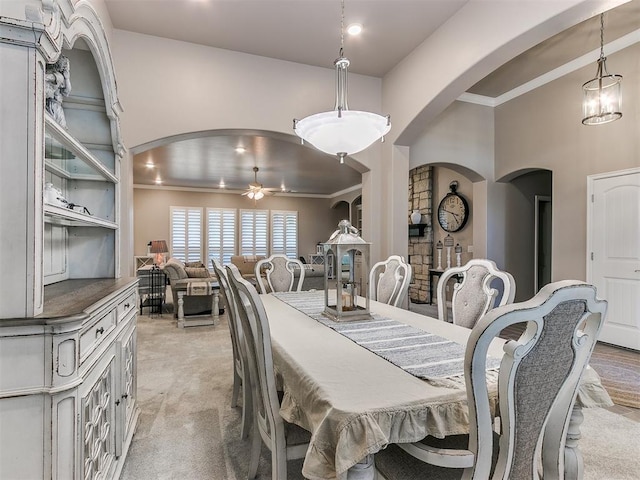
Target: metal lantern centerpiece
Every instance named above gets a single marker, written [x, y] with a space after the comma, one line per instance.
[342, 287]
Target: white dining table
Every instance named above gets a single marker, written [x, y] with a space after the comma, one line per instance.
[355, 402]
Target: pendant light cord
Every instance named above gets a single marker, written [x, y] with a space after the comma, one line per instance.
[602, 35]
[342, 29]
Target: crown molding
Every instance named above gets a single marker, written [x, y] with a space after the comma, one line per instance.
[222, 191]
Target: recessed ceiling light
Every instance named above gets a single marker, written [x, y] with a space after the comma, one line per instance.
[149, 164]
[354, 29]
[158, 181]
[240, 150]
[221, 184]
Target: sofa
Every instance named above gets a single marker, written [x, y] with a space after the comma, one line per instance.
[180, 274]
[246, 264]
[313, 277]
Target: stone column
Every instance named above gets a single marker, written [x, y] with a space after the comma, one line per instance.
[421, 248]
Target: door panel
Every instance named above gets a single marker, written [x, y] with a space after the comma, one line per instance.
[615, 263]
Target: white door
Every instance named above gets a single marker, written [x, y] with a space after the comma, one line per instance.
[613, 263]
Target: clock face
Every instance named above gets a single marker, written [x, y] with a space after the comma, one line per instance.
[453, 212]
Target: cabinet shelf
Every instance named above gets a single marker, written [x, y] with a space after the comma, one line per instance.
[69, 218]
[68, 158]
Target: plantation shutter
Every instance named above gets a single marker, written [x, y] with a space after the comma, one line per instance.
[221, 234]
[284, 233]
[186, 233]
[253, 232]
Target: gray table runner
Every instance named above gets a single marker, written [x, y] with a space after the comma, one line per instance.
[422, 354]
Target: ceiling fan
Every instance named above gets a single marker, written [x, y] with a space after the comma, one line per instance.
[256, 191]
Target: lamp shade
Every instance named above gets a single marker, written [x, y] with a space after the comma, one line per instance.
[346, 131]
[602, 99]
[159, 246]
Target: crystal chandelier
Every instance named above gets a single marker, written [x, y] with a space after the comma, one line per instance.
[602, 96]
[342, 131]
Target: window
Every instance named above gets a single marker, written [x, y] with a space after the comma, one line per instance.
[221, 234]
[186, 233]
[284, 233]
[253, 232]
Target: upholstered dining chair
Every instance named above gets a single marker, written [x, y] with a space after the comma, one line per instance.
[240, 367]
[389, 280]
[473, 295]
[537, 384]
[280, 274]
[286, 441]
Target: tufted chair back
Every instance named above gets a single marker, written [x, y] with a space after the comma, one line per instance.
[280, 274]
[473, 296]
[389, 281]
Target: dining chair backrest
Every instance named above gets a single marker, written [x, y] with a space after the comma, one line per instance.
[473, 295]
[268, 423]
[235, 330]
[241, 374]
[280, 272]
[389, 281]
[537, 385]
[539, 377]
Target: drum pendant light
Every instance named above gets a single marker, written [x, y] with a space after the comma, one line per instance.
[602, 95]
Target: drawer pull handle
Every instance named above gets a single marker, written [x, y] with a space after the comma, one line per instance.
[99, 331]
[126, 305]
[125, 396]
[117, 402]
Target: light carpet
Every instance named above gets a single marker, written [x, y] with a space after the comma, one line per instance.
[188, 430]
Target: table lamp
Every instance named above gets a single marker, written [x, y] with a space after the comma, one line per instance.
[159, 247]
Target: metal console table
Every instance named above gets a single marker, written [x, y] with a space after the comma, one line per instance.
[152, 289]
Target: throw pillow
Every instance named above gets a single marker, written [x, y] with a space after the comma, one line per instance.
[197, 272]
[177, 267]
[194, 264]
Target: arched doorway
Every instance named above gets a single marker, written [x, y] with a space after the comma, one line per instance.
[528, 210]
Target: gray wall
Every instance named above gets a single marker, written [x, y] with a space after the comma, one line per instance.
[542, 129]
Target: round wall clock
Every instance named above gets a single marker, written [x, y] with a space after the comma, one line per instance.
[453, 211]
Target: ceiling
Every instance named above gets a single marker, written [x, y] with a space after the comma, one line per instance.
[308, 32]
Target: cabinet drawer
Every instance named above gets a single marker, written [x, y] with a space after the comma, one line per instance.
[126, 305]
[94, 334]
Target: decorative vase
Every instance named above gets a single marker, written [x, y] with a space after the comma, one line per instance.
[416, 217]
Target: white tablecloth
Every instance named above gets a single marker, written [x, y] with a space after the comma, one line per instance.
[355, 402]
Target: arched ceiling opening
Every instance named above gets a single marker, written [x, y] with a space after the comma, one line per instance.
[224, 160]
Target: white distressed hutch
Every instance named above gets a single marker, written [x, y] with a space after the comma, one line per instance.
[67, 318]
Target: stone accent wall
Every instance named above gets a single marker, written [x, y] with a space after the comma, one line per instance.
[421, 248]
